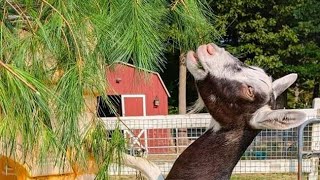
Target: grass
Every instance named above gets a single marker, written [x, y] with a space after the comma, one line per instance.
[260, 176]
[266, 176]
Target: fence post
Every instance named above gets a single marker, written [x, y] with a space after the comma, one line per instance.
[315, 142]
[183, 140]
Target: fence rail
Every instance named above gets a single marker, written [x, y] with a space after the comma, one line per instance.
[165, 137]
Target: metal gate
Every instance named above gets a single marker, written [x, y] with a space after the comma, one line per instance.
[309, 149]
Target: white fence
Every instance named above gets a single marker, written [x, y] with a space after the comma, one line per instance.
[165, 137]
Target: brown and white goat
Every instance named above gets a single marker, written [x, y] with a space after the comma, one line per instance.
[239, 98]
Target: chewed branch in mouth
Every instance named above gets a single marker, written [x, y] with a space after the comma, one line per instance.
[199, 65]
[204, 50]
[192, 56]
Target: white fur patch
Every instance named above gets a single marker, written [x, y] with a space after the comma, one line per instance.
[265, 118]
[281, 84]
[254, 121]
[216, 65]
[214, 125]
[212, 98]
[197, 106]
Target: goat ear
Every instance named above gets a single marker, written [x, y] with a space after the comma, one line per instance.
[266, 118]
[281, 84]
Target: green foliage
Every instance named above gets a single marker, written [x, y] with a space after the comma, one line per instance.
[134, 32]
[191, 24]
[280, 36]
[29, 121]
[50, 59]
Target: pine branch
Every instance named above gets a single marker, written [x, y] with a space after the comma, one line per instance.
[18, 76]
[22, 14]
[79, 59]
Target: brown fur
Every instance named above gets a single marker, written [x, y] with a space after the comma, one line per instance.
[213, 156]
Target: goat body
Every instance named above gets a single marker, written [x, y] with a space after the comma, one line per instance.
[239, 99]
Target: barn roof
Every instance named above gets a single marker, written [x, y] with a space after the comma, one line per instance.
[149, 71]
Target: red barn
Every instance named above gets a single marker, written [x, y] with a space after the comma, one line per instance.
[138, 92]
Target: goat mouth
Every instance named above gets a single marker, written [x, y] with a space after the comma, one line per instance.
[199, 65]
[193, 57]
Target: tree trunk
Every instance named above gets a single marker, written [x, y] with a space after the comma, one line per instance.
[281, 101]
[182, 84]
[182, 135]
[296, 95]
[316, 88]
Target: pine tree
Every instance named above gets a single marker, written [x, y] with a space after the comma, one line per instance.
[53, 53]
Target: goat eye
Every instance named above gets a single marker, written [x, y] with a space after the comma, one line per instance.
[238, 69]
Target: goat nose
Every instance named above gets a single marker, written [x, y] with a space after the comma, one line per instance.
[210, 49]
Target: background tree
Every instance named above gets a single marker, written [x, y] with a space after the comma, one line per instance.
[308, 29]
[280, 36]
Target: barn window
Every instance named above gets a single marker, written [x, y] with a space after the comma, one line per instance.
[104, 110]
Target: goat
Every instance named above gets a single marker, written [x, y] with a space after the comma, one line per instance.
[239, 99]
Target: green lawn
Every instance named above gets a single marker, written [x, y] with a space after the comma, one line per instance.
[260, 176]
[267, 176]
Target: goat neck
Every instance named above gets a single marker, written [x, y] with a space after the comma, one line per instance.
[215, 154]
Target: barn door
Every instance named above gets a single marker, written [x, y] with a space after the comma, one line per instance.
[133, 105]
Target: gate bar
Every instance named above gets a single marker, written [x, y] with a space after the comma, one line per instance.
[300, 144]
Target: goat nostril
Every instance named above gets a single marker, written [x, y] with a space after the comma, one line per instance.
[210, 49]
